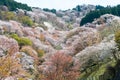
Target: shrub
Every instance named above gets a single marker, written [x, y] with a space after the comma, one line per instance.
[40, 52]
[7, 15]
[22, 41]
[26, 20]
[117, 38]
[29, 51]
[42, 38]
[107, 30]
[62, 68]
[10, 66]
[8, 45]
[58, 47]
[25, 41]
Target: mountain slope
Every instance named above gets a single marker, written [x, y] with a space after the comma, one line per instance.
[13, 5]
[97, 13]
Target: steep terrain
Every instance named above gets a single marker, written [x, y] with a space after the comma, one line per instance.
[41, 45]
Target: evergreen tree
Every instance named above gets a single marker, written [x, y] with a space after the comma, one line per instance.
[13, 5]
[100, 11]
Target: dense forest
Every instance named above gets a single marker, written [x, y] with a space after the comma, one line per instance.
[77, 8]
[13, 5]
[50, 10]
[49, 44]
[100, 11]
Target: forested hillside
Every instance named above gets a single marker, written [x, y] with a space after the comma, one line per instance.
[101, 11]
[49, 44]
[13, 5]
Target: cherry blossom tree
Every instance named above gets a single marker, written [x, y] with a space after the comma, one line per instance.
[62, 68]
